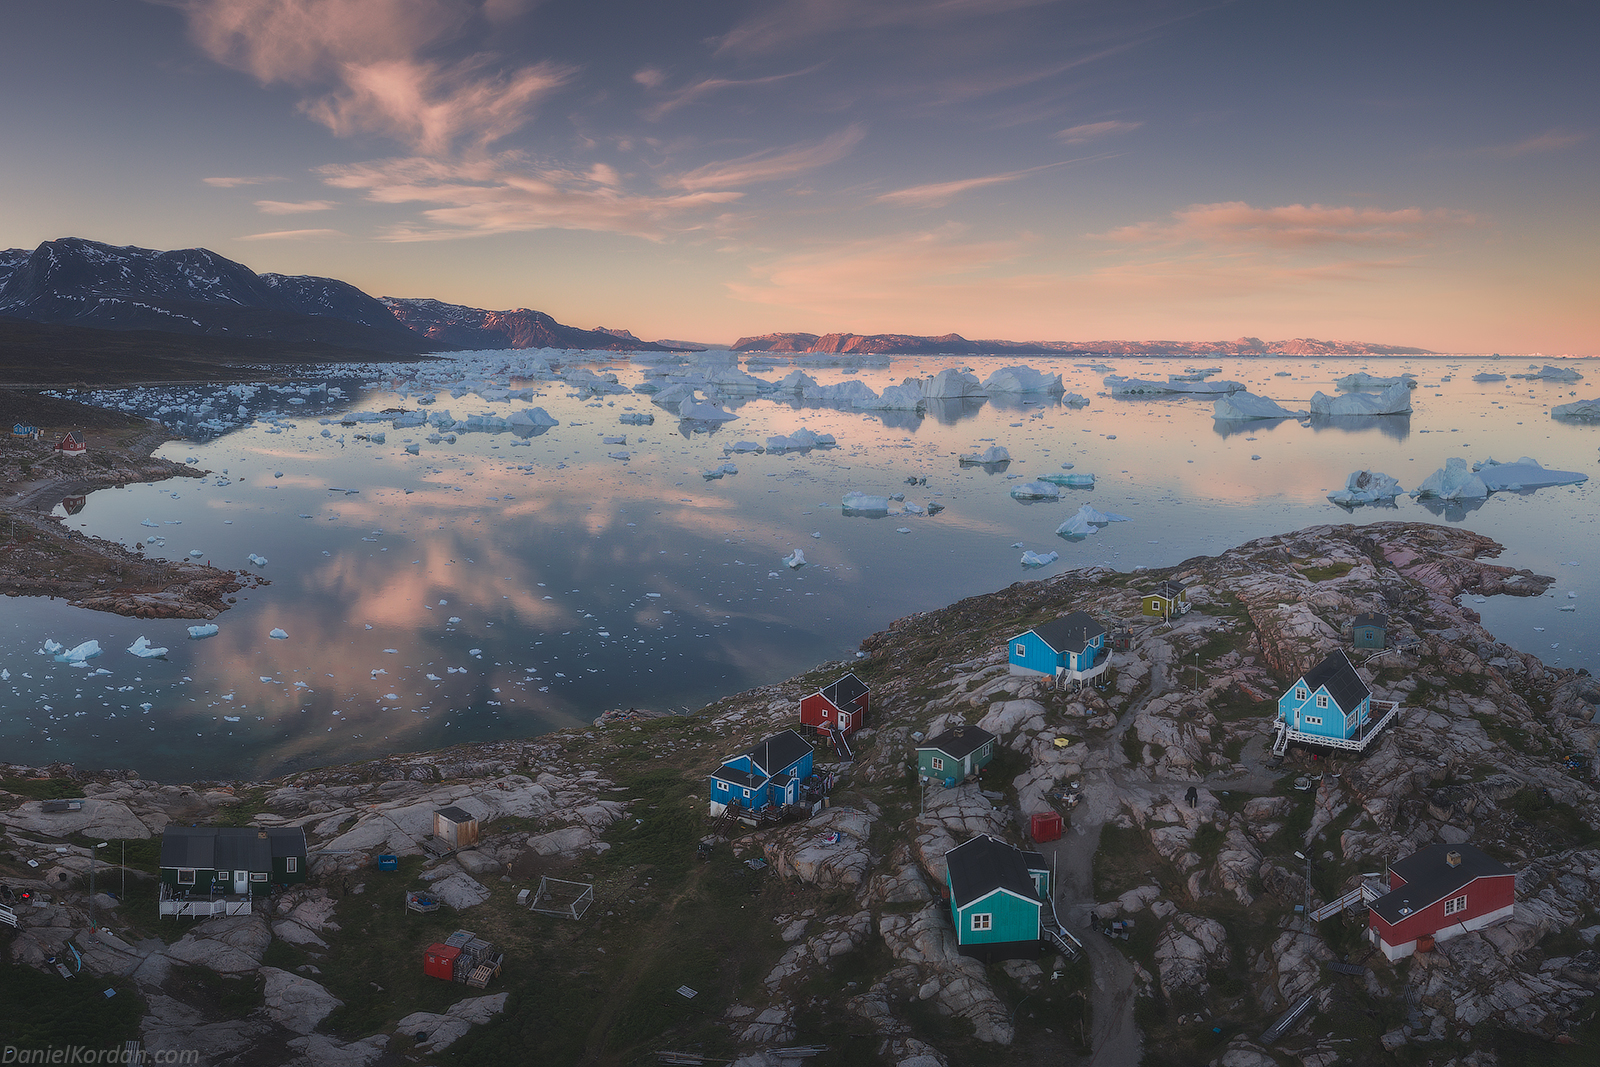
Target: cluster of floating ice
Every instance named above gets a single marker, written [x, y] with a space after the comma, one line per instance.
[1240, 407]
[143, 649]
[1120, 386]
[1087, 521]
[1394, 400]
[991, 456]
[1366, 487]
[1456, 481]
[1547, 373]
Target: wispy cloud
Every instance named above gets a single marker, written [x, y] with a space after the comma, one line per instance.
[235, 182]
[506, 193]
[787, 22]
[672, 99]
[365, 68]
[936, 194]
[770, 164]
[1548, 141]
[284, 207]
[1091, 130]
[1294, 226]
[296, 235]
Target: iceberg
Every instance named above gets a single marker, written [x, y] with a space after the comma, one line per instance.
[693, 411]
[1100, 518]
[203, 631]
[904, 397]
[259, 561]
[1076, 481]
[1361, 380]
[671, 396]
[799, 440]
[142, 649]
[278, 635]
[1137, 387]
[1087, 521]
[1583, 410]
[795, 560]
[1031, 558]
[1075, 400]
[1453, 481]
[856, 500]
[619, 455]
[949, 384]
[1023, 380]
[531, 417]
[718, 472]
[1547, 373]
[1525, 473]
[1395, 400]
[1035, 491]
[1243, 406]
[741, 447]
[1487, 377]
[1366, 487]
[637, 418]
[991, 455]
[79, 655]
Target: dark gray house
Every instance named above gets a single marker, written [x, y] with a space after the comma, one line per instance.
[224, 860]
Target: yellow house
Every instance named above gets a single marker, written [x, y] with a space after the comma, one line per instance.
[1165, 600]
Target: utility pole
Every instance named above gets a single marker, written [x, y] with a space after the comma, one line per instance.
[93, 855]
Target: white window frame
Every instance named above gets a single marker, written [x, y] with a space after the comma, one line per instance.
[292, 864]
[747, 794]
[190, 871]
[982, 921]
[1313, 720]
[1300, 693]
[1022, 650]
[258, 876]
[1322, 700]
[936, 763]
[1456, 906]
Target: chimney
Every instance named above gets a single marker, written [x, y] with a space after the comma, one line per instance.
[262, 834]
[1452, 857]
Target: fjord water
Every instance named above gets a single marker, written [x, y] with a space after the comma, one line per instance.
[584, 582]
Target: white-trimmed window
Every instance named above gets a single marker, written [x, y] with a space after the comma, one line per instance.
[1459, 904]
[292, 864]
[1301, 694]
[1313, 720]
[1322, 700]
[1022, 650]
[747, 794]
[983, 920]
[936, 763]
[258, 876]
[186, 876]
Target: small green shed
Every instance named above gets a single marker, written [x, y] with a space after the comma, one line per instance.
[1371, 630]
[956, 753]
[997, 897]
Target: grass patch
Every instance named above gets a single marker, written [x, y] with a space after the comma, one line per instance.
[40, 1010]
[1558, 823]
[41, 788]
[1327, 573]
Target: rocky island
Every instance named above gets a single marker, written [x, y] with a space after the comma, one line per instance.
[1189, 858]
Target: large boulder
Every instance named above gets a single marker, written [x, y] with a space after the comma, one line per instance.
[829, 851]
[296, 1002]
[434, 1031]
[230, 944]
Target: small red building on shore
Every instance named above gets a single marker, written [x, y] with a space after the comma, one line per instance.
[1437, 893]
[841, 706]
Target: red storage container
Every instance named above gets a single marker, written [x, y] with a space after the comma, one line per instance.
[1045, 825]
[440, 962]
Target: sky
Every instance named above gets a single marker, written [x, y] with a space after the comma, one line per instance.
[1415, 174]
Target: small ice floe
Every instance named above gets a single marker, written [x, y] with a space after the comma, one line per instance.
[1366, 487]
[259, 561]
[1075, 400]
[795, 560]
[1243, 407]
[1031, 558]
[152, 525]
[277, 474]
[1525, 473]
[1088, 520]
[718, 472]
[475, 652]
[278, 635]
[1351, 383]
[1137, 387]
[204, 630]
[914, 509]
[1076, 481]
[692, 410]
[195, 553]
[1453, 481]
[614, 440]
[991, 456]
[413, 450]
[143, 649]
[454, 620]
[1487, 377]
[800, 441]
[619, 455]
[1578, 410]
[1547, 373]
[79, 656]
[903, 529]
[51, 647]
[859, 502]
[637, 418]
[1395, 400]
[1035, 491]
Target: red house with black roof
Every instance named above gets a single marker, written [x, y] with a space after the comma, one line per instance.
[1437, 893]
[841, 706]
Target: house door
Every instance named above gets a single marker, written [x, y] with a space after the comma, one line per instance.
[844, 722]
[241, 882]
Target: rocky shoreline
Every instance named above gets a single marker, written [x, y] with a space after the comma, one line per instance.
[840, 936]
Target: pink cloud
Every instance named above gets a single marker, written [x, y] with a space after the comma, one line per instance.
[935, 194]
[1090, 130]
[1294, 226]
[296, 235]
[235, 182]
[282, 207]
[1548, 141]
[671, 100]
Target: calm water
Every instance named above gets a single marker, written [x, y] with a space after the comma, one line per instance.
[486, 589]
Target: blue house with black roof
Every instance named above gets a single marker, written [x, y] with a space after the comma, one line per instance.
[1330, 706]
[1073, 647]
[767, 775]
[997, 899]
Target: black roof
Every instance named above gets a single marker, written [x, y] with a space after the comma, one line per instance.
[1071, 633]
[959, 742]
[1430, 878]
[1339, 675]
[734, 776]
[226, 848]
[457, 815]
[1372, 618]
[778, 751]
[1168, 589]
[1034, 861]
[845, 692]
[982, 865]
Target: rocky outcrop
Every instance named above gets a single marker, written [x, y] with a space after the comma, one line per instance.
[295, 1002]
[954, 983]
[829, 851]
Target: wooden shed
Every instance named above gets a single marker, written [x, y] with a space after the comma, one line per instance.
[456, 827]
[1370, 630]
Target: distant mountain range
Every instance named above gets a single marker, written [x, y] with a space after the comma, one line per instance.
[193, 291]
[954, 343]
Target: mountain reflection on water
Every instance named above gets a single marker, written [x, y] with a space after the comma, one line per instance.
[505, 586]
